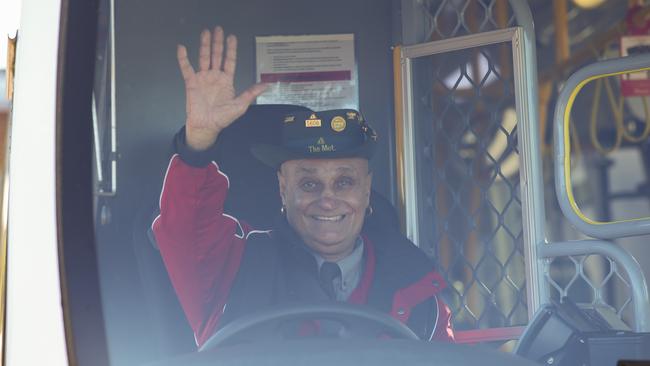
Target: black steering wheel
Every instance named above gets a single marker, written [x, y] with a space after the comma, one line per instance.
[354, 321]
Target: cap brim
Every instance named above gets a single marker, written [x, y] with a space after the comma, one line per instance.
[274, 156]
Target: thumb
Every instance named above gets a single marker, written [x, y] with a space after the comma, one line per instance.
[249, 95]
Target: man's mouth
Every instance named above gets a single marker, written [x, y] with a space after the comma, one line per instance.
[328, 218]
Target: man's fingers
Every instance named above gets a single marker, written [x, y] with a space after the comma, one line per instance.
[249, 95]
[217, 48]
[231, 56]
[186, 68]
[204, 51]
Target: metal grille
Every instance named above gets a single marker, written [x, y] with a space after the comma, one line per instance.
[470, 215]
[593, 280]
[469, 180]
[453, 18]
[468, 166]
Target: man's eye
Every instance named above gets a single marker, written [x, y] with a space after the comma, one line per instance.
[309, 185]
[345, 182]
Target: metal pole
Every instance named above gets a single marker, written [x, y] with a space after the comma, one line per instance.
[562, 149]
[532, 185]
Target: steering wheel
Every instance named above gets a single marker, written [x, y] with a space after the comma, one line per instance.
[355, 321]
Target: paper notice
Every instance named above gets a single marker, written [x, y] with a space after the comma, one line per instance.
[316, 71]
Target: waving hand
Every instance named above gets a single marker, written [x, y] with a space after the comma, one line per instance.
[211, 103]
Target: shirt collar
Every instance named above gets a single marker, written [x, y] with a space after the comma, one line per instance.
[350, 266]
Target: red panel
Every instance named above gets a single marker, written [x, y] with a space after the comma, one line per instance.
[486, 335]
[292, 77]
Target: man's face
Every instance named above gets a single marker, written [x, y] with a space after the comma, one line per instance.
[326, 201]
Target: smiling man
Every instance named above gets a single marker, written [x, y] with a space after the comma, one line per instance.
[326, 201]
[222, 269]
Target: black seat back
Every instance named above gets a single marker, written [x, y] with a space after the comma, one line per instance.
[254, 195]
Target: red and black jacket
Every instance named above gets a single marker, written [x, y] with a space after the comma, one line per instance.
[222, 269]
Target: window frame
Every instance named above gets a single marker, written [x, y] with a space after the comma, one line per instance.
[80, 288]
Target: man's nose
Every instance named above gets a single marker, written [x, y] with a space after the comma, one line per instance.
[328, 199]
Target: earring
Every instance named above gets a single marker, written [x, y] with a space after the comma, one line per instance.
[369, 210]
[282, 209]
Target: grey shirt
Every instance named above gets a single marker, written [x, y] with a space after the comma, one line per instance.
[351, 270]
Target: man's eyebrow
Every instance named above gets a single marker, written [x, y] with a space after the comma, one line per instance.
[311, 170]
[346, 169]
[304, 169]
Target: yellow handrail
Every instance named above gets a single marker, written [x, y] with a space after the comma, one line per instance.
[567, 144]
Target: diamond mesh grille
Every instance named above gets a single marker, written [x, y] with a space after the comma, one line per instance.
[594, 280]
[470, 215]
[468, 168]
[453, 18]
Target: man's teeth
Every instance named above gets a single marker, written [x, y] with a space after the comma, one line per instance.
[329, 218]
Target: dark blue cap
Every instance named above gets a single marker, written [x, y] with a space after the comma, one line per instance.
[332, 134]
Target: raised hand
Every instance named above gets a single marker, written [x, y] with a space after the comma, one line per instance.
[211, 104]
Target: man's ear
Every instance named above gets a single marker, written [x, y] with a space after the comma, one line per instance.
[282, 185]
[368, 186]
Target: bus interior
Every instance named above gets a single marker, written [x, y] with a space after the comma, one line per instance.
[475, 109]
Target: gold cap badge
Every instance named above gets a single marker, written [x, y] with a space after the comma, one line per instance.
[338, 123]
[313, 121]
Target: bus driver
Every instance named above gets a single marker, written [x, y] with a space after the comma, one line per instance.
[318, 251]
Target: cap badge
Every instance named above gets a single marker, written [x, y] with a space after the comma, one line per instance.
[338, 123]
[313, 121]
[368, 131]
[321, 146]
[288, 119]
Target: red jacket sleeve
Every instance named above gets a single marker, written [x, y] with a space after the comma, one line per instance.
[201, 245]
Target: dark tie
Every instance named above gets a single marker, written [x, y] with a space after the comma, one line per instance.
[329, 271]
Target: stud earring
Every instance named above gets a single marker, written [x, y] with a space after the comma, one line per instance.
[369, 210]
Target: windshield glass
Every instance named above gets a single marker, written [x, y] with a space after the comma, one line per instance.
[255, 156]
